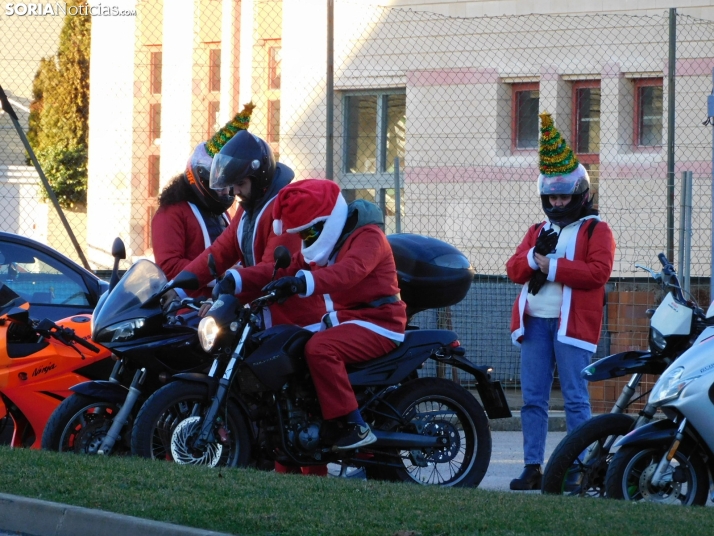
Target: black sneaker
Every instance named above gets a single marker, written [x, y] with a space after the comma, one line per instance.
[354, 437]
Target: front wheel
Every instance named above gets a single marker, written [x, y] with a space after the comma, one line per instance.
[579, 463]
[438, 407]
[80, 424]
[170, 419]
[629, 477]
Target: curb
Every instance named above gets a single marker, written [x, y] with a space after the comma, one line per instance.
[43, 518]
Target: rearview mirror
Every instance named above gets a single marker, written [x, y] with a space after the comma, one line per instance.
[282, 257]
[119, 253]
[19, 315]
[185, 280]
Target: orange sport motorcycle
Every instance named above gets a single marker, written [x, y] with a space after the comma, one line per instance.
[39, 362]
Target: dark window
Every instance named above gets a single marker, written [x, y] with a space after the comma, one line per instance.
[156, 59]
[648, 112]
[375, 132]
[274, 67]
[154, 121]
[274, 121]
[213, 124]
[214, 69]
[524, 122]
[587, 117]
[154, 174]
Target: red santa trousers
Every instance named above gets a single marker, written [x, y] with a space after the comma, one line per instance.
[326, 354]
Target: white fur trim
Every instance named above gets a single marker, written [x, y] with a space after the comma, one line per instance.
[309, 283]
[201, 224]
[307, 225]
[320, 250]
[278, 227]
[237, 279]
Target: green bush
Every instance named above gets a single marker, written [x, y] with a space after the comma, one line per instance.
[59, 112]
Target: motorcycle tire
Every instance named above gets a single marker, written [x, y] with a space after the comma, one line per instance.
[166, 423]
[586, 478]
[630, 474]
[435, 406]
[80, 424]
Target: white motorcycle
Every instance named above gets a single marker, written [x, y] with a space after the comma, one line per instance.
[671, 460]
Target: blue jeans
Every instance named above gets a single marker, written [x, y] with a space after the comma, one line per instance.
[540, 352]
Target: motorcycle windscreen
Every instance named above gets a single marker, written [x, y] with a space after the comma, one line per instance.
[140, 282]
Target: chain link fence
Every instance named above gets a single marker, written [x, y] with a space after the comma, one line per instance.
[434, 118]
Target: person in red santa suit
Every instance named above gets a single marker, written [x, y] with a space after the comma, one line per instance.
[345, 256]
[247, 167]
[191, 215]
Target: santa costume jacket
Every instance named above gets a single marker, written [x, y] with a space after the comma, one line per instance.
[250, 241]
[180, 233]
[584, 271]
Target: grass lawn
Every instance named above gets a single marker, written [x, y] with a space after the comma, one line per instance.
[243, 501]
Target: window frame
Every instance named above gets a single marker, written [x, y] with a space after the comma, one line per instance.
[636, 126]
[515, 89]
[380, 178]
[585, 158]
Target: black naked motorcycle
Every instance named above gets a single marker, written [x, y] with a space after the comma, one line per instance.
[258, 400]
[579, 463]
[150, 343]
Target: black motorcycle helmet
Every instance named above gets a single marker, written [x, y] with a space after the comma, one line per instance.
[197, 175]
[575, 184]
[244, 156]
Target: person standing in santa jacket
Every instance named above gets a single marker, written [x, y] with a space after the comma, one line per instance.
[191, 215]
[563, 264]
[345, 257]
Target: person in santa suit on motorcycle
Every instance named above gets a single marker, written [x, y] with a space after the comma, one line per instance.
[247, 167]
[191, 215]
[345, 256]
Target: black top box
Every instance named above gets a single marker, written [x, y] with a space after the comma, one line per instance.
[431, 273]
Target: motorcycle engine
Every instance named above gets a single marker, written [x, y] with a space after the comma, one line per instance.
[305, 435]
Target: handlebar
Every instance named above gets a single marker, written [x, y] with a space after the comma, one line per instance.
[67, 336]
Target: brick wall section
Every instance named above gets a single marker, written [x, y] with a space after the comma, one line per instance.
[628, 325]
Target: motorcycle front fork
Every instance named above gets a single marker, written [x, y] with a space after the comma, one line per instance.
[664, 463]
[123, 415]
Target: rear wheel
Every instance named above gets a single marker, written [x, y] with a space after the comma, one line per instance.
[437, 407]
[570, 473]
[686, 482]
[80, 424]
[169, 421]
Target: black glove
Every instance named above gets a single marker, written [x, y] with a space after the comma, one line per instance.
[286, 287]
[227, 285]
[545, 244]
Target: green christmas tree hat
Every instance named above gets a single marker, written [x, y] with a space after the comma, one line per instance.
[556, 157]
[240, 122]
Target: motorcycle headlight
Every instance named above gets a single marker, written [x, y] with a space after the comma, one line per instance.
[669, 386]
[208, 332]
[121, 331]
[657, 341]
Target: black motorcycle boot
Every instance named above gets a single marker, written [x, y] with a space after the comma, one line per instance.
[530, 479]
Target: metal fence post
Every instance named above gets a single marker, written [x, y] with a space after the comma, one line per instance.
[397, 197]
[670, 130]
[330, 93]
[685, 230]
[710, 115]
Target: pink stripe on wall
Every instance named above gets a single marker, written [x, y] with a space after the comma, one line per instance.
[451, 77]
[454, 174]
[692, 67]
